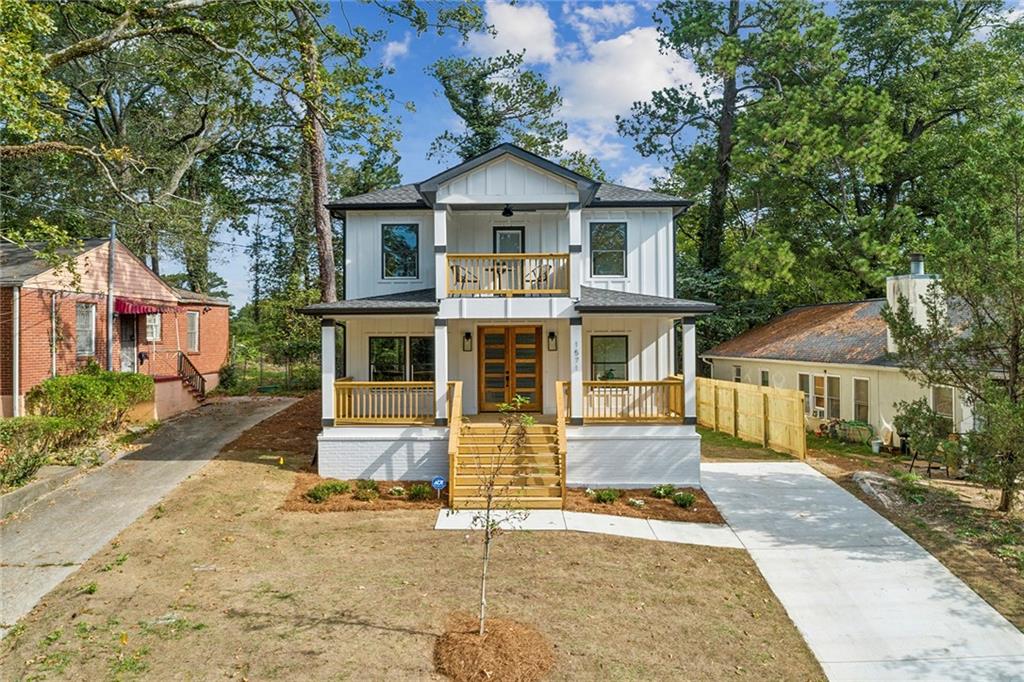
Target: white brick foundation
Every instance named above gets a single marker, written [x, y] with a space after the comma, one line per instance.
[397, 453]
[633, 456]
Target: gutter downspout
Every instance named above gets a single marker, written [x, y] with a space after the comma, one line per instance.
[16, 351]
[110, 297]
[53, 334]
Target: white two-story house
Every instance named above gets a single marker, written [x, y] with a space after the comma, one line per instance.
[509, 275]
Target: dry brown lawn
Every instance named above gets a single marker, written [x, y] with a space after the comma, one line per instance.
[218, 583]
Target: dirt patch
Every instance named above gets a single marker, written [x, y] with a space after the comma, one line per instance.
[508, 651]
[346, 502]
[702, 511]
[293, 430]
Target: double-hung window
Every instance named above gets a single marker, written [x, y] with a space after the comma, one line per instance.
[818, 397]
[400, 251]
[192, 333]
[608, 249]
[860, 400]
[804, 383]
[608, 358]
[834, 398]
[942, 404]
[766, 379]
[401, 358]
[153, 327]
[737, 373]
[85, 329]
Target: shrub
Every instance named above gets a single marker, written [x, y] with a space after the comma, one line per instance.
[606, 496]
[27, 443]
[366, 494]
[18, 466]
[663, 491]
[397, 491]
[684, 499]
[227, 377]
[366, 484]
[909, 486]
[636, 502]
[419, 492]
[95, 399]
[322, 491]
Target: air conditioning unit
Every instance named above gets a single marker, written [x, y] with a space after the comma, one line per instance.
[818, 413]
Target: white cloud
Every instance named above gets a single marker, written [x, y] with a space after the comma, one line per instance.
[642, 175]
[395, 50]
[595, 20]
[595, 138]
[525, 26]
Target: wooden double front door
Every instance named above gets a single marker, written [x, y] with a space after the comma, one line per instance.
[510, 365]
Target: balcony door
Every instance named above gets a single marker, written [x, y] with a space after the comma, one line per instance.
[510, 365]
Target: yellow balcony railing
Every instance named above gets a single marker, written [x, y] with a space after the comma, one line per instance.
[383, 402]
[625, 402]
[508, 274]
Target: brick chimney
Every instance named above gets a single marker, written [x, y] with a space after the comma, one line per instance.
[913, 287]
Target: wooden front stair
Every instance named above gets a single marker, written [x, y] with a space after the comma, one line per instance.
[532, 478]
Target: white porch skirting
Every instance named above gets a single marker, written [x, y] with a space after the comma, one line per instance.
[384, 453]
[632, 456]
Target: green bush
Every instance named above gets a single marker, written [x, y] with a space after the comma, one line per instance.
[397, 491]
[663, 491]
[606, 496]
[419, 492]
[684, 499]
[228, 377]
[27, 443]
[366, 494]
[322, 491]
[366, 484]
[94, 398]
[18, 466]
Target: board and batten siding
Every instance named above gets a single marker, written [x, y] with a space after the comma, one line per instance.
[543, 231]
[648, 251]
[364, 253]
[886, 388]
[358, 331]
[507, 180]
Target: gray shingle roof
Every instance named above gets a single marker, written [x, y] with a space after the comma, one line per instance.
[404, 196]
[18, 264]
[609, 193]
[419, 302]
[593, 300]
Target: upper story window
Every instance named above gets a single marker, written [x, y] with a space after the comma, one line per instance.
[400, 246]
[85, 329]
[192, 335]
[608, 249]
[509, 240]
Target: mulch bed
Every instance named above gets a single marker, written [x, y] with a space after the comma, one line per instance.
[293, 429]
[702, 511]
[508, 651]
[344, 502]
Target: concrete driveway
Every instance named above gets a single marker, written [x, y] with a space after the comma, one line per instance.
[51, 538]
[871, 603]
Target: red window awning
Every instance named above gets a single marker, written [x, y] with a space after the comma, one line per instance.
[127, 306]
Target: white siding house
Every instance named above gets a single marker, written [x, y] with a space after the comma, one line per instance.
[510, 275]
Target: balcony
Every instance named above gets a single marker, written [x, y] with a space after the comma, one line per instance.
[508, 274]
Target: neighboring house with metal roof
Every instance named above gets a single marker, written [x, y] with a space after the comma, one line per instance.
[54, 320]
[842, 357]
[509, 275]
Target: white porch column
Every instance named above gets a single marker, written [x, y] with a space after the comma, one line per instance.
[327, 345]
[689, 363]
[441, 372]
[575, 249]
[576, 370]
[440, 251]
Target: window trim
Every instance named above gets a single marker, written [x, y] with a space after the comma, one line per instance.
[766, 378]
[625, 363]
[737, 374]
[808, 394]
[853, 397]
[824, 396]
[92, 339]
[198, 318]
[521, 229]
[838, 397]
[952, 401]
[159, 328]
[394, 223]
[625, 248]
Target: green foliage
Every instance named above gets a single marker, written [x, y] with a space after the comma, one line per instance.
[419, 492]
[366, 494]
[89, 588]
[684, 499]
[605, 496]
[909, 487]
[321, 492]
[396, 491]
[18, 466]
[96, 399]
[663, 491]
[30, 442]
[367, 484]
[228, 375]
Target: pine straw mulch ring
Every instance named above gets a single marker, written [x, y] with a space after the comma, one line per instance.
[702, 511]
[347, 501]
[508, 651]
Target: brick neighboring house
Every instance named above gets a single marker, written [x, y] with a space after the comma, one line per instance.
[54, 322]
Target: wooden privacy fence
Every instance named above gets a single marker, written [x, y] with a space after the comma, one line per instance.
[771, 417]
[633, 401]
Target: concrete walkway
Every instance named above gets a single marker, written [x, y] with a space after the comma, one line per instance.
[712, 534]
[871, 603]
[51, 538]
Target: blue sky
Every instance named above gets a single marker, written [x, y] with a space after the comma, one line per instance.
[602, 55]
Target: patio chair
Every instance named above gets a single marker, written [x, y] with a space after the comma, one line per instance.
[462, 278]
[539, 277]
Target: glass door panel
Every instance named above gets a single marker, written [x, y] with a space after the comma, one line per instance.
[493, 366]
[421, 358]
[510, 366]
[387, 358]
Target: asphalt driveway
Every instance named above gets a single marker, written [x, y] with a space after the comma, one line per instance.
[870, 602]
[51, 538]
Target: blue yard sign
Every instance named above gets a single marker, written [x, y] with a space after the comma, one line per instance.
[438, 483]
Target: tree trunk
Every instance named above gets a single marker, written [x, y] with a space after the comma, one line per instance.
[315, 143]
[488, 536]
[154, 251]
[713, 230]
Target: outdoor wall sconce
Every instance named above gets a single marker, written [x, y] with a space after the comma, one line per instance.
[467, 342]
[552, 341]
[507, 211]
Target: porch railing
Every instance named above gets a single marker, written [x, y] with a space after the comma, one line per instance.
[191, 376]
[508, 274]
[454, 434]
[383, 402]
[561, 417]
[633, 401]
